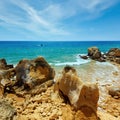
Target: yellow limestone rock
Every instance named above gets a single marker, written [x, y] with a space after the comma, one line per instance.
[79, 94]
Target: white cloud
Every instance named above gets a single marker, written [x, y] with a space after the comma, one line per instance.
[49, 19]
[71, 8]
[34, 22]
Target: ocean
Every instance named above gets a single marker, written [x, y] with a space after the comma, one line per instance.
[58, 53]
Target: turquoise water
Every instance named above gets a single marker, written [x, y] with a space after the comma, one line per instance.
[56, 53]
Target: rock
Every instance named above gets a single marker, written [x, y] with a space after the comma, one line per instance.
[84, 57]
[114, 55]
[79, 94]
[114, 91]
[7, 112]
[3, 65]
[114, 52]
[94, 53]
[7, 79]
[33, 72]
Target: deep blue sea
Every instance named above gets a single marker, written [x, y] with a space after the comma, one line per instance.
[56, 53]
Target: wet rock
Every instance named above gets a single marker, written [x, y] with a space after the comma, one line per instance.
[3, 65]
[83, 56]
[94, 53]
[79, 94]
[7, 112]
[33, 72]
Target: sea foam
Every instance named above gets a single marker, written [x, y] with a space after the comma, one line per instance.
[78, 61]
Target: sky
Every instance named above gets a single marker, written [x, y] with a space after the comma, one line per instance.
[59, 20]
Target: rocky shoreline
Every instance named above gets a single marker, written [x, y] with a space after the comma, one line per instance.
[33, 91]
[113, 55]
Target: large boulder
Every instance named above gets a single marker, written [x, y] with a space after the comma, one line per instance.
[113, 55]
[79, 94]
[33, 72]
[114, 52]
[94, 53]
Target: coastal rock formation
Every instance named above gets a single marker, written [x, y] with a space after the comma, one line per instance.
[3, 65]
[28, 74]
[94, 53]
[7, 73]
[114, 55]
[33, 72]
[33, 98]
[114, 52]
[80, 95]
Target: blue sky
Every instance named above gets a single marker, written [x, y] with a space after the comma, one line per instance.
[60, 20]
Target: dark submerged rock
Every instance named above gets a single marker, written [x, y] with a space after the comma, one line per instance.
[84, 57]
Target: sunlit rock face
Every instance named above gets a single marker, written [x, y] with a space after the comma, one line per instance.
[79, 94]
[114, 55]
[26, 75]
[114, 52]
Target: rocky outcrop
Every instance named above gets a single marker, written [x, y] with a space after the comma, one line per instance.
[27, 75]
[3, 65]
[114, 52]
[79, 94]
[113, 55]
[94, 53]
[7, 73]
[33, 72]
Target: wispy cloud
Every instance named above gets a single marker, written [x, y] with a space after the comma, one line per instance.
[34, 22]
[71, 8]
[50, 18]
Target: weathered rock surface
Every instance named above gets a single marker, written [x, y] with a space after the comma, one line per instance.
[94, 53]
[113, 55]
[79, 94]
[3, 65]
[114, 52]
[27, 74]
[33, 72]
